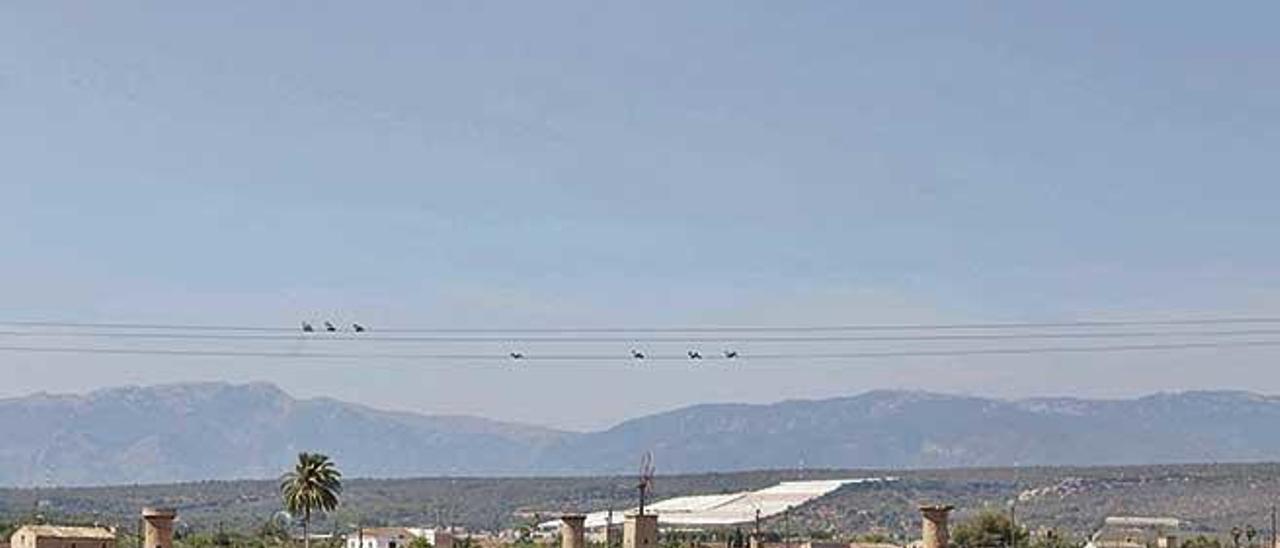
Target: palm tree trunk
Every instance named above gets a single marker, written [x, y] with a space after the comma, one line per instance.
[306, 527]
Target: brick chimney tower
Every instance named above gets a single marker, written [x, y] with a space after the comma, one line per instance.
[640, 531]
[573, 531]
[158, 532]
[934, 526]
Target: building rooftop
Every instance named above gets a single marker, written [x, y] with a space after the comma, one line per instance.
[385, 532]
[1142, 521]
[67, 531]
[401, 532]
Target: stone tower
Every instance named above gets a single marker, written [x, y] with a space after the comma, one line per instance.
[572, 531]
[640, 531]
[158, 532]
[934, 526]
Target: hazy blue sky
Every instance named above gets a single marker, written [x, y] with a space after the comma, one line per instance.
[549, 163]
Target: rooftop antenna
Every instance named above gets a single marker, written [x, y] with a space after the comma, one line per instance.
[646, 478]
[1013, 508]
[608, 530]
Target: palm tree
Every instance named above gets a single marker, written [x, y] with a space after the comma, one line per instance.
[313, 485]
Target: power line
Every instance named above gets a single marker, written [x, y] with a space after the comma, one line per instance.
[677, 329]
[1027, 350]
[240, 353]
[727, 338]
[616, 357]
[155, 326]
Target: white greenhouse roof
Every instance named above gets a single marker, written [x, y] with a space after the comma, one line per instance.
[728, 509]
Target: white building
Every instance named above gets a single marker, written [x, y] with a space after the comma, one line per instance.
[1136, 532]
[398, 537]
[58, 536]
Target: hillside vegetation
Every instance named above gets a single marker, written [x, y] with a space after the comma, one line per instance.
[1211, 497]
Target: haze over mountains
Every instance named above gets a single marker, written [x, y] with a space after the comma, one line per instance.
[223, 431]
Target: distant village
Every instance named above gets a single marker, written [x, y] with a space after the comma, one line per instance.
[668, 524]
[723, 520]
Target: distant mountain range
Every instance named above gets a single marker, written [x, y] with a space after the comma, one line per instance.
[223, 431]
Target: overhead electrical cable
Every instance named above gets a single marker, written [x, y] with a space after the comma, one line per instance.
[799, 356]
[643, 338]
[1098, 323]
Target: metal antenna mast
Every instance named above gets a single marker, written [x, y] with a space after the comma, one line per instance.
[646, 478]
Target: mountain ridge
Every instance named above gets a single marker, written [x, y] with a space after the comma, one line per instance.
[218, 430]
